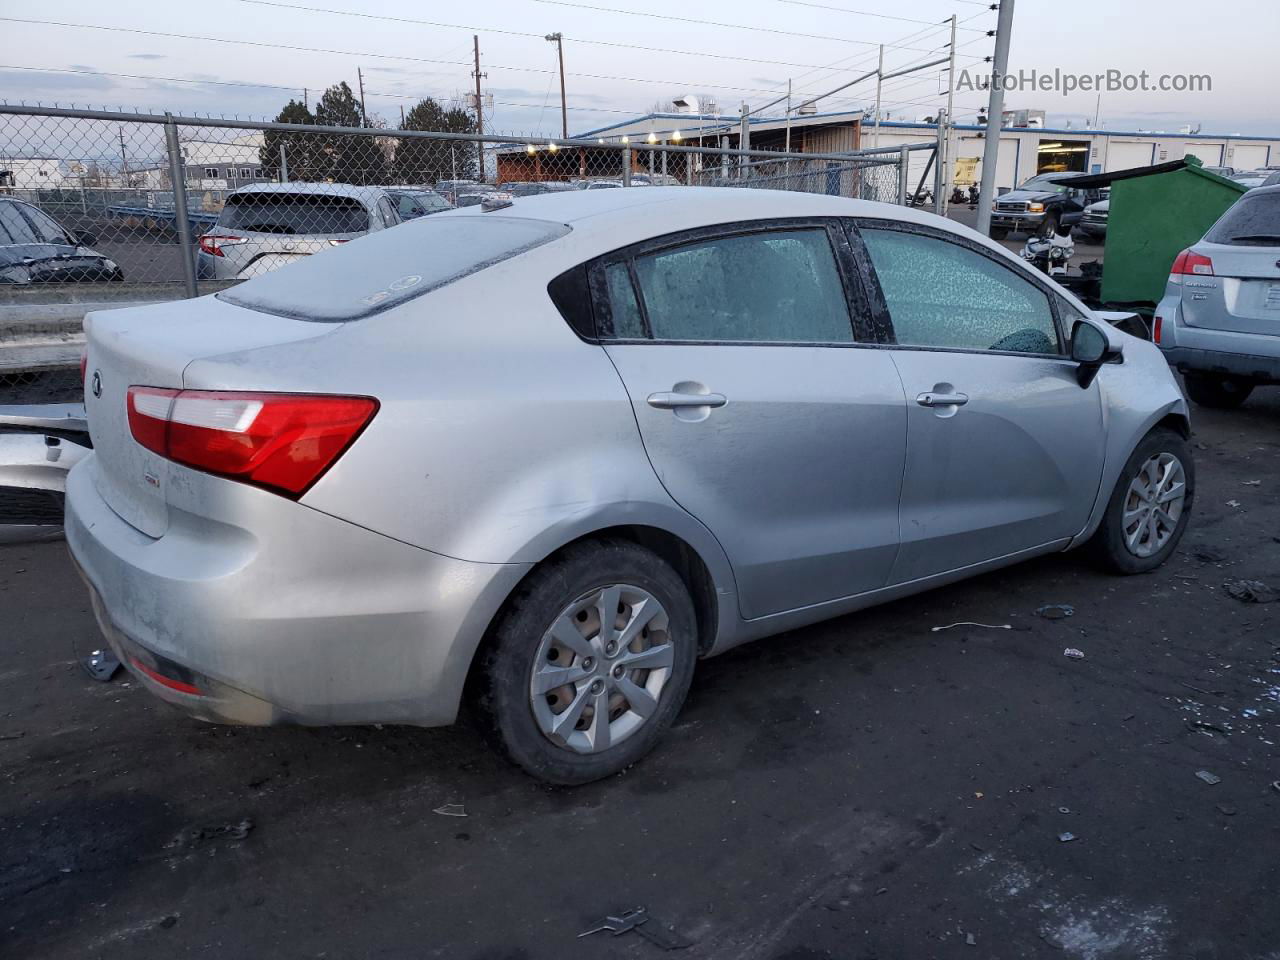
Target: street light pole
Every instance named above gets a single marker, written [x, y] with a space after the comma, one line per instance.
[995, 117]
[558, 39]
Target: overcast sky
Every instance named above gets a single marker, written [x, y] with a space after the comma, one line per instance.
[620, 64]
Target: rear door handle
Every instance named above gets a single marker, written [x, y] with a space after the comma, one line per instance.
[680, 401]
[942, 399]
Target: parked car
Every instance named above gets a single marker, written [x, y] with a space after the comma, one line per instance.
[357, 490]
[39, 444]
[1218, 320]
[1270, 180]
[522, 189]
[1094, 222]
[1040, 205]
[1221, 171]
[451, 190]
[35, 248]
[1251, 178]
[264, 226]
[411, 204]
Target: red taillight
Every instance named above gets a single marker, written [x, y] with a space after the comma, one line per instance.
[1157, 326]
[212, 244]
[282, 441]
[1190, 263]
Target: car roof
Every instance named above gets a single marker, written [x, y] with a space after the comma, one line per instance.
[368, 195]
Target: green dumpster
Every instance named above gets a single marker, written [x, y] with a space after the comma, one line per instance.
[1156, 213]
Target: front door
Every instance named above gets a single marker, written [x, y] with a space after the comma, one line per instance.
[761, 414]
[1004, 448]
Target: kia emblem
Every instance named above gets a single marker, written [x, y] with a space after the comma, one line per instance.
[97, 384]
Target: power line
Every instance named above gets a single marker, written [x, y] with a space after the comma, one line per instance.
[861, 13]
[702, 54]
[376, 56]
[711, 23]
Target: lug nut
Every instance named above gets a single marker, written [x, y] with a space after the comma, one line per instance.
[588, 663]
[597, 686]
[618, 671]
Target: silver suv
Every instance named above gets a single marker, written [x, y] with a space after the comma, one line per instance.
[1219, 321]
[267, 225]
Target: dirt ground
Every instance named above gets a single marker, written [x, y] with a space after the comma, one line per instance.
[866, 788]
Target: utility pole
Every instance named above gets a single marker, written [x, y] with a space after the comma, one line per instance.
[304, 98]
[402, 116]
[951, 100]
[788, 146]
[364, 117]
[875, 142]
[995, 117]
[124, 163]
[479, 108]
[558, 39]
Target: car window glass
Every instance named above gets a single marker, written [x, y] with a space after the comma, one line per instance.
[293, 213]
[1253, 221]
[15, 225]
[623, 309]
[47, 229]
[389, 218]
[409, 206]
[941, 294]
[778, 286]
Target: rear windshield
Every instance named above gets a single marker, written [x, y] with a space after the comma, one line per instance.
[387, 268]
[1253, 222]
[296, 213]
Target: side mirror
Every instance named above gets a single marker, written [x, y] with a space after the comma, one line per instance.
[1090, 349]
[84, 238]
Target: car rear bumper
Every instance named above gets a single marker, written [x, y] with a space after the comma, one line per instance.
[1191, 360]
[305, 619]
[1205, 350]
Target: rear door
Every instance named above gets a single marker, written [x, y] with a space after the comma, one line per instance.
[1004, 449]
[1242, 294]
[762, 414]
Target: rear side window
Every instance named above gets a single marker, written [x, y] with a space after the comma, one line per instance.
[942, 294]
[1254, 221]
[389, 267]
[774, 287]
[294, 213]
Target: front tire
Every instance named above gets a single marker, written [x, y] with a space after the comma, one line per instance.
[589, 663]
[1149, 509]
[1219, 391]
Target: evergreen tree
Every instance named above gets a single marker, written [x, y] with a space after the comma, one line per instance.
[421, 161]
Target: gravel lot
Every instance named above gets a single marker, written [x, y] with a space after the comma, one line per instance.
[866, 788]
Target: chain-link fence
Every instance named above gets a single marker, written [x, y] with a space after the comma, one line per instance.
[102, 206]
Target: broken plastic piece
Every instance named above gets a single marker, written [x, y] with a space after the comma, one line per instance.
[1066, 837]
[970, 623]
[1208, 777]
[1056, 611]
[1073, 653]
[101, 665]
[451, 810]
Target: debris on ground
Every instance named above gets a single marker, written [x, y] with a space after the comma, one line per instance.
[1073, 653]
[1208, 777]
[970, 940]
[451, 810]
[1056, 611]
[1066, 837]
[193, 837]
[1064, 809]
[970, 623]
[1209, 555]
[1251, 483]
[13, 736]
[1233, 503]
[637, 920]
[1251, 591]
[1275, 785]
[101, 665]
[1226, 810]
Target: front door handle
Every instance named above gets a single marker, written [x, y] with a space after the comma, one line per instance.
[942, 399]
[681, 401]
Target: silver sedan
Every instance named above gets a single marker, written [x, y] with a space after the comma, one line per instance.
[545, 456]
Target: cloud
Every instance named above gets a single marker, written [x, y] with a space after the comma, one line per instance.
[36, 81]
[148, 56]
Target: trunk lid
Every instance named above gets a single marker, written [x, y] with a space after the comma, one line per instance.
[152, 346]
[1242, 296]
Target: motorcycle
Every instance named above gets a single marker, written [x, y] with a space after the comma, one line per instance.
[1051, 254]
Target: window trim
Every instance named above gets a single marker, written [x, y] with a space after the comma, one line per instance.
[884, 316]
[860, 323]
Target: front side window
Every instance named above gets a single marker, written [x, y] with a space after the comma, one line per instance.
[942, 294]
[47, 229]
[779, 286]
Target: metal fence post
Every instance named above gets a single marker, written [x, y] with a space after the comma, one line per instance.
[178, 176]
[904, 167]
[284, 165]
[940, 158]
[626, 166]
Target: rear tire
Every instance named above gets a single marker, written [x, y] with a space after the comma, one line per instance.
[1219, 391]
[550, 633]
[1124, 542]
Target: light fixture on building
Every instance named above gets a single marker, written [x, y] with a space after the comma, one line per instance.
[530, 149]
[553, 146]
[676, 137]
